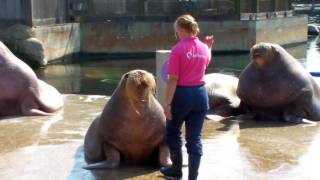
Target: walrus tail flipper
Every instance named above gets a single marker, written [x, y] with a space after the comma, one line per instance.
[299, 120]
[49, 99]
[296, 115]
[30, 108]
[34, 112]
[101, 165]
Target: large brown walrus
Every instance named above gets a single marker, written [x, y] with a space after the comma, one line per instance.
[21, 92]
[223, 99]
[276, 86]
[131, 127]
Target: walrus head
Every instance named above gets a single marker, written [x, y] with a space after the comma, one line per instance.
[262, 54]
[138, 84]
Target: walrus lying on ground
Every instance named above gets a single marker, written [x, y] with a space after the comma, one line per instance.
[223, 100]
[131, 126]
[21, 92]
[276, 86]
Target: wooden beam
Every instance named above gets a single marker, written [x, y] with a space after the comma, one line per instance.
[237, 4]
[289, 4]
[28, 11]
[274, 6]
[256, 6]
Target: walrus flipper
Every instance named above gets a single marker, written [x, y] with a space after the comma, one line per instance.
[102, 165]
[298, 120]
[214, 117]
[164, 155]
[35, 112]
[113, 159]
[30, 108]
[297, 115]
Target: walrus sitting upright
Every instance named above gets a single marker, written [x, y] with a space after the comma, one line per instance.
[276, 86]
[131, 126]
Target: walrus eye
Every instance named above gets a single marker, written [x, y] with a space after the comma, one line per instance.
[255, 56]
[274, 50]
[126, 76]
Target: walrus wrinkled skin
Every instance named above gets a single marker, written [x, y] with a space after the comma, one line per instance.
[21, 92]
[131, 126]
[276, 86]
[223, 100]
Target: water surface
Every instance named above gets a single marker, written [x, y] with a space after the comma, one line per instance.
[102, 76]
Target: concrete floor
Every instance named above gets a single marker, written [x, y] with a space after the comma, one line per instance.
[237, 148]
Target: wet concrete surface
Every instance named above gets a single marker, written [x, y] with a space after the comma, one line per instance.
[236, 148]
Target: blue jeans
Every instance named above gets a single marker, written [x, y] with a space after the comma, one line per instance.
[189, 105]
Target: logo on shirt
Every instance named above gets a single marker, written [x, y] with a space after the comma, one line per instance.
[190, 55]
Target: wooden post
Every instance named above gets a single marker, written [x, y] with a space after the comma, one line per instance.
[28, 11]
[256, 6]
[237, 4]
[274, 5]
[289, 4]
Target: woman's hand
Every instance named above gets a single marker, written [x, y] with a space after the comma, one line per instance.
[209, 41]
[167, 112]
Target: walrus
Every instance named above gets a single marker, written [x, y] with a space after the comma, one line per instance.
[275, 86]
[223, 100]
[21, 92]
[130, 128]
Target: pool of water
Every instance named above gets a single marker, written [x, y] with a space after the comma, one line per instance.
[102, 76]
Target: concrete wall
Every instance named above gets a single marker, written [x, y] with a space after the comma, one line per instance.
[129, 37]
[132, 37]
[282, 29]
[49, 12]
[59, 40]
[125, 37]
[230, 35]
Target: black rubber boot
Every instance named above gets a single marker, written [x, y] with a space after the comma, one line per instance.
[175, 170]
[194, 163]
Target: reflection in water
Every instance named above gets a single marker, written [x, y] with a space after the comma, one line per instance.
[313, 56]
[236, 148]
[223, 156]
[307, 165]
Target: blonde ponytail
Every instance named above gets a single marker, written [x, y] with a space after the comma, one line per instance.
[188, 23]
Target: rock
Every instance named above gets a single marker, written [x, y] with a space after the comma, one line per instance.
[20, 32]
[31, 51]
[21, 40]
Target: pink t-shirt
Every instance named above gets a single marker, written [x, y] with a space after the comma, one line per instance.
[189, 60]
